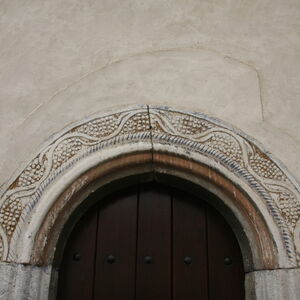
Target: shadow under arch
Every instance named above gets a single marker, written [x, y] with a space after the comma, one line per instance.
[165, 179]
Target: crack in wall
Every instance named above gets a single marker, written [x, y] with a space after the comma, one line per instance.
[259, 82]
[151, 134]
[138, 54]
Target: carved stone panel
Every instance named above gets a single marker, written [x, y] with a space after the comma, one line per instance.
[190, 132]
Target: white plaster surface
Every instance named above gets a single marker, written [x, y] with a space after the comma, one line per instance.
[61, 61]
[273, 285]
[24, 282]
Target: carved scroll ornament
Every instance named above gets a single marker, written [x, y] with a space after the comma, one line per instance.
[193, 132]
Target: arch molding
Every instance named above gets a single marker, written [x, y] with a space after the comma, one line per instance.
[189, 145]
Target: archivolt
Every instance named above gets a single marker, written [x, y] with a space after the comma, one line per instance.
[166, 130]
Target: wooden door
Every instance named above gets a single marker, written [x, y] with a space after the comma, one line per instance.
[151, 242]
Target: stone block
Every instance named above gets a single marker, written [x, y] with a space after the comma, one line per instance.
[273, 285]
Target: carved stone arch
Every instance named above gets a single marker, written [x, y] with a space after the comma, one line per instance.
[262, 196]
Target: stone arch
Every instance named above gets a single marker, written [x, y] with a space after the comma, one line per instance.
[260, 193]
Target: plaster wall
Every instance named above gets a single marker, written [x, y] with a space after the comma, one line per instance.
[61, 61]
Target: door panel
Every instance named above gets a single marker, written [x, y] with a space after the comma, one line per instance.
[189, 248]
[76, 274]
[154, 240]
[226, 274]
[116, 247]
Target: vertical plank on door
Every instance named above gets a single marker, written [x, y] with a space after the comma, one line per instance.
[76, 270]
[153, 280]
[189, 248]
[117, 229]
[226, 273]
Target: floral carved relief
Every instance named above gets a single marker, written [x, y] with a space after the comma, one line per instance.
[191, 132]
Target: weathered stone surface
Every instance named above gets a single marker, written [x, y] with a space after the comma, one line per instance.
[273, 285]
[24, 282]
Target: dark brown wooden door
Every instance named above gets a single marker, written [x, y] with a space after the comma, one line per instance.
[151, 242]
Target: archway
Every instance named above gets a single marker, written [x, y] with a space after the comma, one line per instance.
[259, 193]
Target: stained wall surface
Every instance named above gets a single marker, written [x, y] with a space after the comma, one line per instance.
[61, 61]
